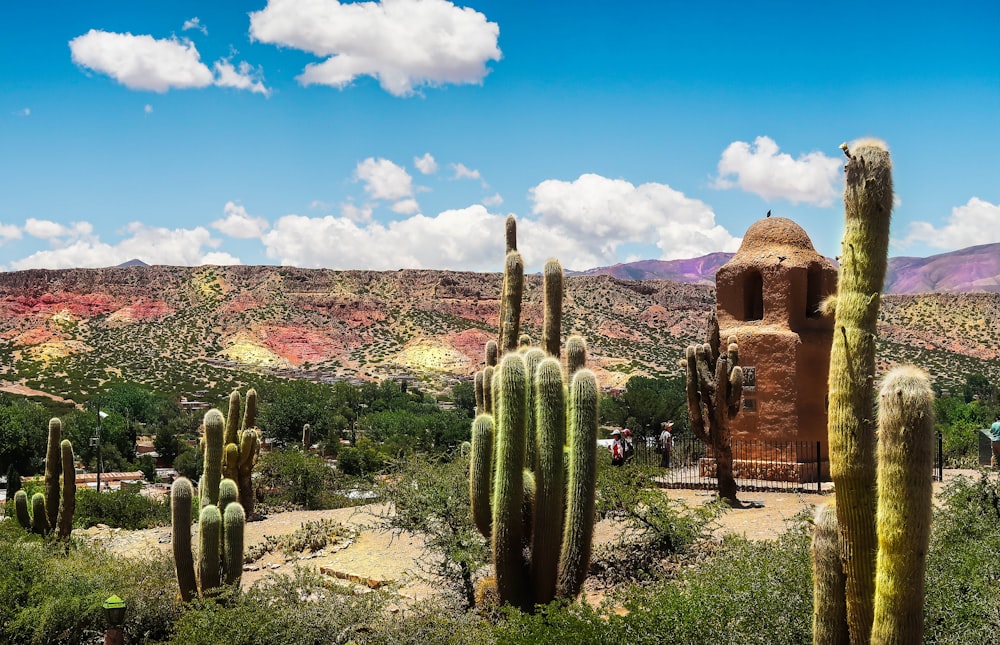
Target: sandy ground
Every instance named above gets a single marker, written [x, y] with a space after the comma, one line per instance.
[374, 558]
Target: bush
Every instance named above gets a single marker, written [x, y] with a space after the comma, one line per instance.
[363, 460]
[297, 478]
[120, 509]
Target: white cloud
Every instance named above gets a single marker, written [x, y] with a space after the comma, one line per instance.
[49, 230]
[148, 109]
[493, 200]
[240, 224]
[245, 77]
[153, 245]
[593, 215]
[220, 258]
[24, 112]
[453, 239]
[195, 23]
[760, 169]
[406, 206]
[141, 62]
[357, 214]
[426, 164]
[461, 171]
[975, 222]
[384, 180]
[405, 44]
[9, 232]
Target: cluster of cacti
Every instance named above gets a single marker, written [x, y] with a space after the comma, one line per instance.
[241, 446]
[532, 470]
[883, 501]
[53, 509]
[221, 520]
[714, 391]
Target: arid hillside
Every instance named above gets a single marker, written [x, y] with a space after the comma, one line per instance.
[199, 331]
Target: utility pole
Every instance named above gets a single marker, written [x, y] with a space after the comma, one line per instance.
[96, 441]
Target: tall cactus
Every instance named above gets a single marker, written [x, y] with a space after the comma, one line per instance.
[714, 388]
[481, 473]
[552, 292]
[829, 610]
[550, 492]
[181, 495]
[241, 446]
[576, 354]
[905, 496]
[215, 429]
[67, 507]
[53, 467]
[851, 426]
[513, 289]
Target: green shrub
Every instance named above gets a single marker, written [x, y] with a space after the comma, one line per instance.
[363, 460]
[297, 478]
[120, 509]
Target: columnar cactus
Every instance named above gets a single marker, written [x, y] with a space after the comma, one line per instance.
[552, 290]
[53, 509]
[905, 495]
[550, 492]
[851, 426]
[241, 447]
[576, 354]
[478, 387]
[829, 610]
[481, 472]
[306, 437]
[714, 387]
[181, 495]
[513, 288]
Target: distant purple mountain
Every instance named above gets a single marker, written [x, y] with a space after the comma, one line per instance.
[976, 268]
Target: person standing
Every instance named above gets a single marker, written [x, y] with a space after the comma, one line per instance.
[666, 443]
[629, 446]
[617, 448]
[995, 442]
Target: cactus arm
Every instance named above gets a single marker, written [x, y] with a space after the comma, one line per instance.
[212, 475]
[550, 406]
[230, 461]
[481, 472]
[228, 493]
[209, 549]
[181, 495]
[491, 353]
[829, 608]
[508, 481]
[576, 354]
[67, 507]
[234, 522]
[53, 468]
[905, 496]
[232, 418]
[39, 518]
[552, 293]
[512, 292]
[21, 509]
[578, 532]
[249, 450]
[851, 427]
[250, 413]
[488, 389]
[478, 388]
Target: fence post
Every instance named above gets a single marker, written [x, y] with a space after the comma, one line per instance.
[819, 469]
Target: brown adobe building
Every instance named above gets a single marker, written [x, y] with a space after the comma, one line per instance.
[768, 296]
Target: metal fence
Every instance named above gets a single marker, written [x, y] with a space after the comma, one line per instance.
[757, 465]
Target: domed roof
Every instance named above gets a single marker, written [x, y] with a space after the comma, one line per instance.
[775, 231]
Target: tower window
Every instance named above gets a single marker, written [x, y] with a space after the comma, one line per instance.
[814, 291]
[753, 296]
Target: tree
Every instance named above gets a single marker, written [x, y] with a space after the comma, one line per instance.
[300, 478]
[422, 499]
[464, 397]
[714, 391]
[189, 463]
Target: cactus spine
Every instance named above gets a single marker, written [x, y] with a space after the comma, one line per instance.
[829, 610]
[64, 520]
[905, 495]
[480, 473]
[181, 495]
[851, 428]
[53, 458]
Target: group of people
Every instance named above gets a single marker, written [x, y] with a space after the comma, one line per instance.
[623, 448]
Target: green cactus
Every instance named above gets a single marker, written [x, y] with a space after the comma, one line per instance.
[53, 467]
[21, 509]
[714, 388]
[210, 549]
[488, 389]
[851, 427]
[478, 388]
[481, 473]
[64, 519]
[233, 525]
[233, 418]
[532, 358]
[508, 480]
[513, 288]
[242, 447]
[491, 353]
[228, 493]
[552, 289]
[550, 437]
[306, 436]
[576, 354]
[181, 495]
[215, 428]
[905, 497]
[523, 341]
[510, 233]
[510, 239]
[829, 610]
[39, 518]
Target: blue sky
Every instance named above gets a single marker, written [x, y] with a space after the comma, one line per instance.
[400, 134]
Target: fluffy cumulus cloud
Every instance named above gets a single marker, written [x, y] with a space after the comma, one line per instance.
[493, 200]
[240, 224]
[760, 168]
[195, 23]
[975, 222]
[453, 239]
[146, 63]
[405, 44]
[141, 62]
[426, 164]
[9, 232]
[461, 171]
[49, 230]
[596, 215]
[152, 245]
[384, 180]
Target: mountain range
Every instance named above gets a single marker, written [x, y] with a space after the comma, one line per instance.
[198, 332]
[975, 268]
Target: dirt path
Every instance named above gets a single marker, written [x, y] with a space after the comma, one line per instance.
[373, 558]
